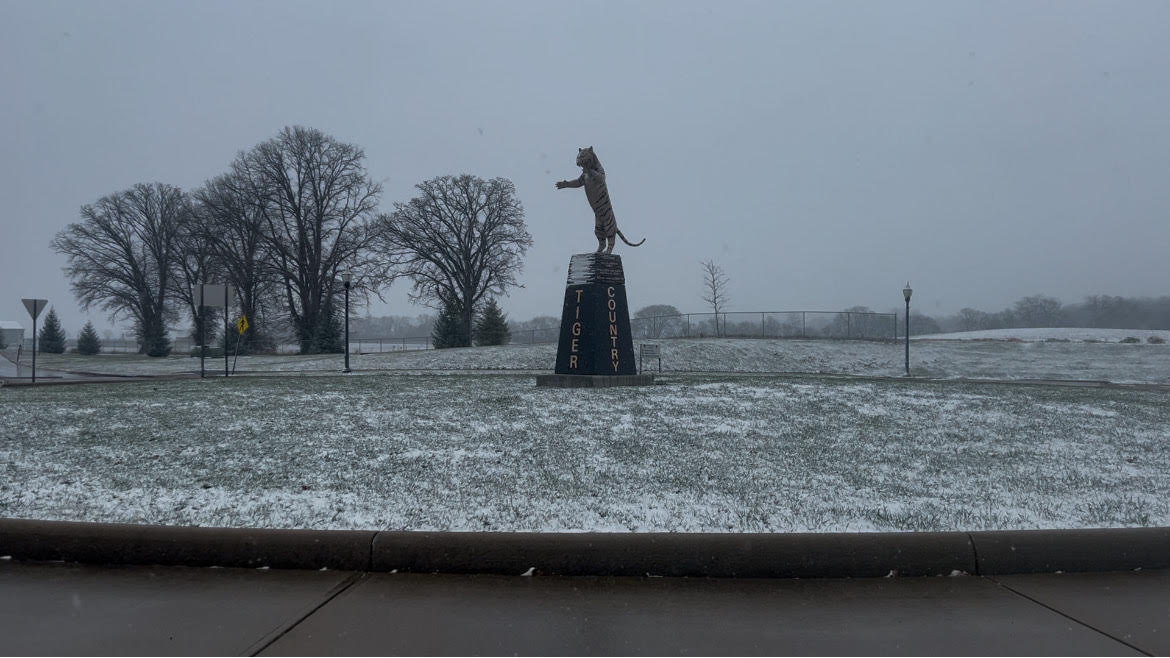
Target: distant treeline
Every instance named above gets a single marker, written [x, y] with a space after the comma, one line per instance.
[393, 326]
[401, 326]
[1096, 311]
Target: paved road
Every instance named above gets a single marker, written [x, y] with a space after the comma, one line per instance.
[10, 370]
[73, 609]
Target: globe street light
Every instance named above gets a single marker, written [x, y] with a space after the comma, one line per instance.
[346, 278]
[906, 292]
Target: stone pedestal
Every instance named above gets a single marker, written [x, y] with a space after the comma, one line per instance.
[595, 348]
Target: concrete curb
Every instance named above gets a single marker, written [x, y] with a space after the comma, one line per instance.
[672, 554]
[109, 543]
[1048, 551]
[801, 555]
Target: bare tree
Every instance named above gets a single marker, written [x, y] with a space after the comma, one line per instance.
[461, 239]
[317, 203]
[193, 266]
[232, 224]
[715, 289]
[970, 319]
[656, 320]
[122, 256]
[1038, 311]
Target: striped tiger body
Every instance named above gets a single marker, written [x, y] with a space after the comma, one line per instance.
[593, 179]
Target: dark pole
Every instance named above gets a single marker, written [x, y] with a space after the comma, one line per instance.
[225, 329]
[202, 330]
[347, 326]
[907, 293]
[907, 337]
[35, 312]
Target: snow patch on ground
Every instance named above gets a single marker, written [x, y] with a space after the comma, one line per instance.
[696, 453]
[946, 359]
[1052, 334]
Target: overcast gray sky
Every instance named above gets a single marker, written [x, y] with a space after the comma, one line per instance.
[823, 152]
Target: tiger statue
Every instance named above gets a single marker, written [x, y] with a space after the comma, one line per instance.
[593, 178]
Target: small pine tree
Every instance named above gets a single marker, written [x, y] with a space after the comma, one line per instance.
[211, 330]
[88, 341]
[330, 332]
[154, 342]
[492, 327]
[52, 336]
[448, 331]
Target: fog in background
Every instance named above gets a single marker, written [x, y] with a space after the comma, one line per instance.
[823, 153]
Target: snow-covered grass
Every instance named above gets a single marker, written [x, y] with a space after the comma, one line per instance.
[949, 359]
[1053, 335]
[745, 453]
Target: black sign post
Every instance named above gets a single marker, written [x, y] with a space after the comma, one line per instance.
[35, 306]
[213, 289]
[202, 331]
[226, 290]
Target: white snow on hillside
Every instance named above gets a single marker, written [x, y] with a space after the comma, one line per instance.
[1114, 362]
[945, 359]
[1052, 334]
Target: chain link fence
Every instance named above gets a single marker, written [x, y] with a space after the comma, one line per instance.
[769, 324]
[738, 324]
[747, 324]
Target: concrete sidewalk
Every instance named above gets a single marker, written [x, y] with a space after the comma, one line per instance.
[68, 609]
[84, 588]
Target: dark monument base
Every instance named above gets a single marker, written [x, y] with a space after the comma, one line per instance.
[593, 381]
[595, 348]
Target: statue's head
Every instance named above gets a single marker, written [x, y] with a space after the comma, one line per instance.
[585, 157]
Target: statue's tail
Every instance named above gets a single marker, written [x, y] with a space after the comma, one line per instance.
[632, 244]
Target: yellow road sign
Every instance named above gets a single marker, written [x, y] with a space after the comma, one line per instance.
[242, 324]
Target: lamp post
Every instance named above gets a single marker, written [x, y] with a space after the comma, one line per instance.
[906, 292]
[346, 278]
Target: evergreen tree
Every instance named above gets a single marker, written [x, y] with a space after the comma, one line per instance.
[213, 319]
[492, 327]
[156, 340]
[449, 328]
[52, 337]
[88, 341]
[329, 334]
